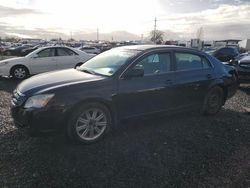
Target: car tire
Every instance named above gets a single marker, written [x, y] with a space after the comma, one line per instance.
[89, 123]
[19, 72]
[213, 101]
[78, 65]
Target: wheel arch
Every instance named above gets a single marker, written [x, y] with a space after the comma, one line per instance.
[19, 65]
[108, 104]
[220, 83]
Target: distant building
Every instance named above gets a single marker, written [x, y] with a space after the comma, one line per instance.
[245, 44]
[229, 42]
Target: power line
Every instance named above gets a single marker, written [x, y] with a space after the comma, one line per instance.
[155, 28]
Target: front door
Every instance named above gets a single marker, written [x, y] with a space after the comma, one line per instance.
[44, 61]
[151, 92]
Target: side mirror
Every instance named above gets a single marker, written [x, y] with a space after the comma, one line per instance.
[137, 71]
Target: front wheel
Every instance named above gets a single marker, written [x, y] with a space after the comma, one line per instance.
[89, 123]
[213, 101]
[19, 72]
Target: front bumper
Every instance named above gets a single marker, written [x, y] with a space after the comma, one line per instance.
[4, 71]
[39, 120]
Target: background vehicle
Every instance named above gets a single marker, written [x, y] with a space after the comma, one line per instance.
[43, 60]
[243, 68]
[226, 54]
[16, 50]
[91, 50]
[123, 83]
[242, 55]
[26, 51]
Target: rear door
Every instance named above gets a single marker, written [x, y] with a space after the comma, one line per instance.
[44, 61]
[150, 93]
[194, 73]
[66, 58]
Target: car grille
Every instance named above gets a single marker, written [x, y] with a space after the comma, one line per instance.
[18, 98]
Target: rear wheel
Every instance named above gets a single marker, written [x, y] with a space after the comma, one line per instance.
[89, 123]
[19, 72]
[213, 101]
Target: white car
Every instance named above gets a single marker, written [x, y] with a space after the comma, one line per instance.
[89, 49]
[43, 60]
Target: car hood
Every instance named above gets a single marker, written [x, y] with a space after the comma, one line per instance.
[51, 80]
[13, 60]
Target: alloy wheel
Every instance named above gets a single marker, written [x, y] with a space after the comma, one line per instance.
[91, 124]
[20, 73]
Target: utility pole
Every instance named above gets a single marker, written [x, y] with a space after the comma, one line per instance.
[97, 34]
[155, 29]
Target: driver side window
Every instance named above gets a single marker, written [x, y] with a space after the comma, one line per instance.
[155, 63]
[49, 52]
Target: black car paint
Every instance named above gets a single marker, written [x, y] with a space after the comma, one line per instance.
[125, 98]
[242, 67]
[226, 54]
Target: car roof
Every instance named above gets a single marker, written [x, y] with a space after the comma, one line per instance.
[45, 47]
[155, 47]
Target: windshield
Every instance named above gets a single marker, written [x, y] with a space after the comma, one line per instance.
[34, 52]
[108, 62]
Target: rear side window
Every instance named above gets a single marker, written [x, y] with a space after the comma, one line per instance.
[188, 61]
[65, 52]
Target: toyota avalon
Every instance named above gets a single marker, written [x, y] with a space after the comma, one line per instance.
[122, 83]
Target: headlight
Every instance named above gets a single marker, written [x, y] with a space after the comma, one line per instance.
[38, 101]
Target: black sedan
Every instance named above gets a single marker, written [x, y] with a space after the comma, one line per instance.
[26, 51]
[16, 51]
[243, 68]
[225, 54]
[122, 83]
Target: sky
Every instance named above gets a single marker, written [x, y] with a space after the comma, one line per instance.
[125, 19]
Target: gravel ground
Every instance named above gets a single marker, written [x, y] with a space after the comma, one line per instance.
[182, 150]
